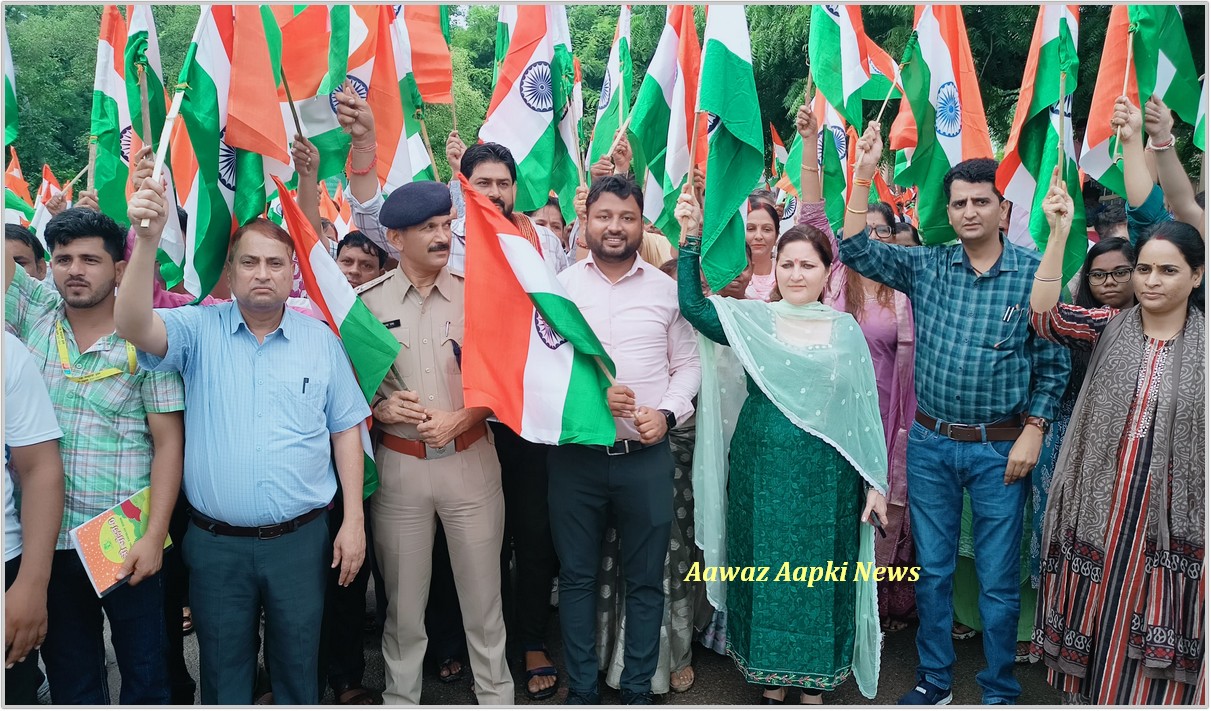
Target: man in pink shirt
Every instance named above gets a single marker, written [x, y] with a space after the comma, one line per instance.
[632, 307]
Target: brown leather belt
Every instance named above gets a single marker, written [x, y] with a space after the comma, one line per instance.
[1003, 431]
[420, 450]
[262, 532]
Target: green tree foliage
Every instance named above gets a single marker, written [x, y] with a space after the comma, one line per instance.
[53, 50]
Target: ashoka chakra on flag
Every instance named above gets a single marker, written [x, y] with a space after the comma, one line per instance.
[950, 112]
[536, 88]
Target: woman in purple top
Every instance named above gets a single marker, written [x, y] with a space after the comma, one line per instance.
[885, 317]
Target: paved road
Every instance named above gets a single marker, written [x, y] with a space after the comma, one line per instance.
[718, 681]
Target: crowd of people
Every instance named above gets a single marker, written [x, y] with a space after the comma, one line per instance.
[1029, 452]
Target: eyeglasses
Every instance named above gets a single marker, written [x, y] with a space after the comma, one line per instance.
[882, 231]
[1120, 276]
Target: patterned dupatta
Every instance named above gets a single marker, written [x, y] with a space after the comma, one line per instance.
[1167, 625]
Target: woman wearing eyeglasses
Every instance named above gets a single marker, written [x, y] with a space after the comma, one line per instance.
[1121, 609]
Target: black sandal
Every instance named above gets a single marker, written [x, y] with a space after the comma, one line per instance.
[451, 676]
[532, 674]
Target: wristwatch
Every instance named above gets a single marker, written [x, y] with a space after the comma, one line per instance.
[669, 418]
[1039, 422]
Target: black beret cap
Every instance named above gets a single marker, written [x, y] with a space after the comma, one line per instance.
[413, 203]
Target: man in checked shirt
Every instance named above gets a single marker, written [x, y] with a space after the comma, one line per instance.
[987, 387]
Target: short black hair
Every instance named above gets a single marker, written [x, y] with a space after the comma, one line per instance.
[975, 170]
[81, 222]
[364, 243]
[1111, 215]
[17, 233]
[618, 185]
[487, 153]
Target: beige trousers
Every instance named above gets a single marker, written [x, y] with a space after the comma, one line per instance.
[464, 491]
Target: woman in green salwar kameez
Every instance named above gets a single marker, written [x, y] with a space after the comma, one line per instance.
[807, 466]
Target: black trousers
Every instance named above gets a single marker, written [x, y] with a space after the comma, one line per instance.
[176, 596]
[342, 649]
[523, 478]
[585, 484]
[22, 681]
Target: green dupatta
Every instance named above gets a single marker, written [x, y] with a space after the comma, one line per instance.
[825, 385]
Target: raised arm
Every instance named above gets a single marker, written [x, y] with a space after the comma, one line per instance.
[307, 165]
[695, 307]
[1128, 121]
[809, 169]
[1057, 206]
[134, 318]
[354, 115]
[1158, 123]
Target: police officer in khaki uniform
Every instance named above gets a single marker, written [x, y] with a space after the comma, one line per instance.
[435, 458]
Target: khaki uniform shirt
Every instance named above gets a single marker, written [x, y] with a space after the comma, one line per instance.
[430, 329]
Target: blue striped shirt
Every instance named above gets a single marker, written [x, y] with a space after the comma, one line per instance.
[258, 417]
[977, 359]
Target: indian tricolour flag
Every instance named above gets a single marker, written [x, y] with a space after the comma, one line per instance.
[110, 123]
[143, 51]
[533, 90]
[48, 189]
[426, 76]
[569, 157]
[388, 92]
[529, 354]
[203, 165]
[840, 59]
[616, 87]
[941, 121]
[1161, 64]
[1034, 143]
[18, 206]
[1200, 122]
[778, 163]
[833, 157]
[663, 118]
[735, 145]
[370, 346]
[322, 47]
[10, 91]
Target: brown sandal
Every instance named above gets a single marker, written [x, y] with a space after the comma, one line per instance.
[356, 696]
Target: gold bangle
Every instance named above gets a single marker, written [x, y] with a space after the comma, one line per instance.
[856, 212]
[812, 170]
[1039, 278]
[861, 183]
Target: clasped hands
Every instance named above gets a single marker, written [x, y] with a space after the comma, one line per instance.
[650, 423]
[437, 428]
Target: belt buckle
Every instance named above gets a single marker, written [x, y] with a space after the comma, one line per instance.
[439, 452]
[262, 532]
[613, 450]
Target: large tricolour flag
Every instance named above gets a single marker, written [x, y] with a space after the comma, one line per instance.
[846, 65]
[1161, 64]
[533, 92]
[529, 354]
[663, 118]
[1032, 153]
[370, 346]
[736, 144]
[143, 51]
[941, 121]
[615, 101]
[204, 166]
[110, 124]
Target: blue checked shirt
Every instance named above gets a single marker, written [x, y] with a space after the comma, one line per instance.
[977, 360]
[258, 417]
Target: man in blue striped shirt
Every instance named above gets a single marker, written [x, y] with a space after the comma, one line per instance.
[987, 387]
[271, 401]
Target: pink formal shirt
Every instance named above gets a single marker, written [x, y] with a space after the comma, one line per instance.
[637, 320]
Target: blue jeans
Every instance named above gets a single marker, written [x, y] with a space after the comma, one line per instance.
[939, 469]
[74, 650]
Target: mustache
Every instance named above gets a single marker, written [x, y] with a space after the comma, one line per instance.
[76, 282]
[440, 247]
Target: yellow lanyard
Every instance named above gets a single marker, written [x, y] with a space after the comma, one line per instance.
[61, 340]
